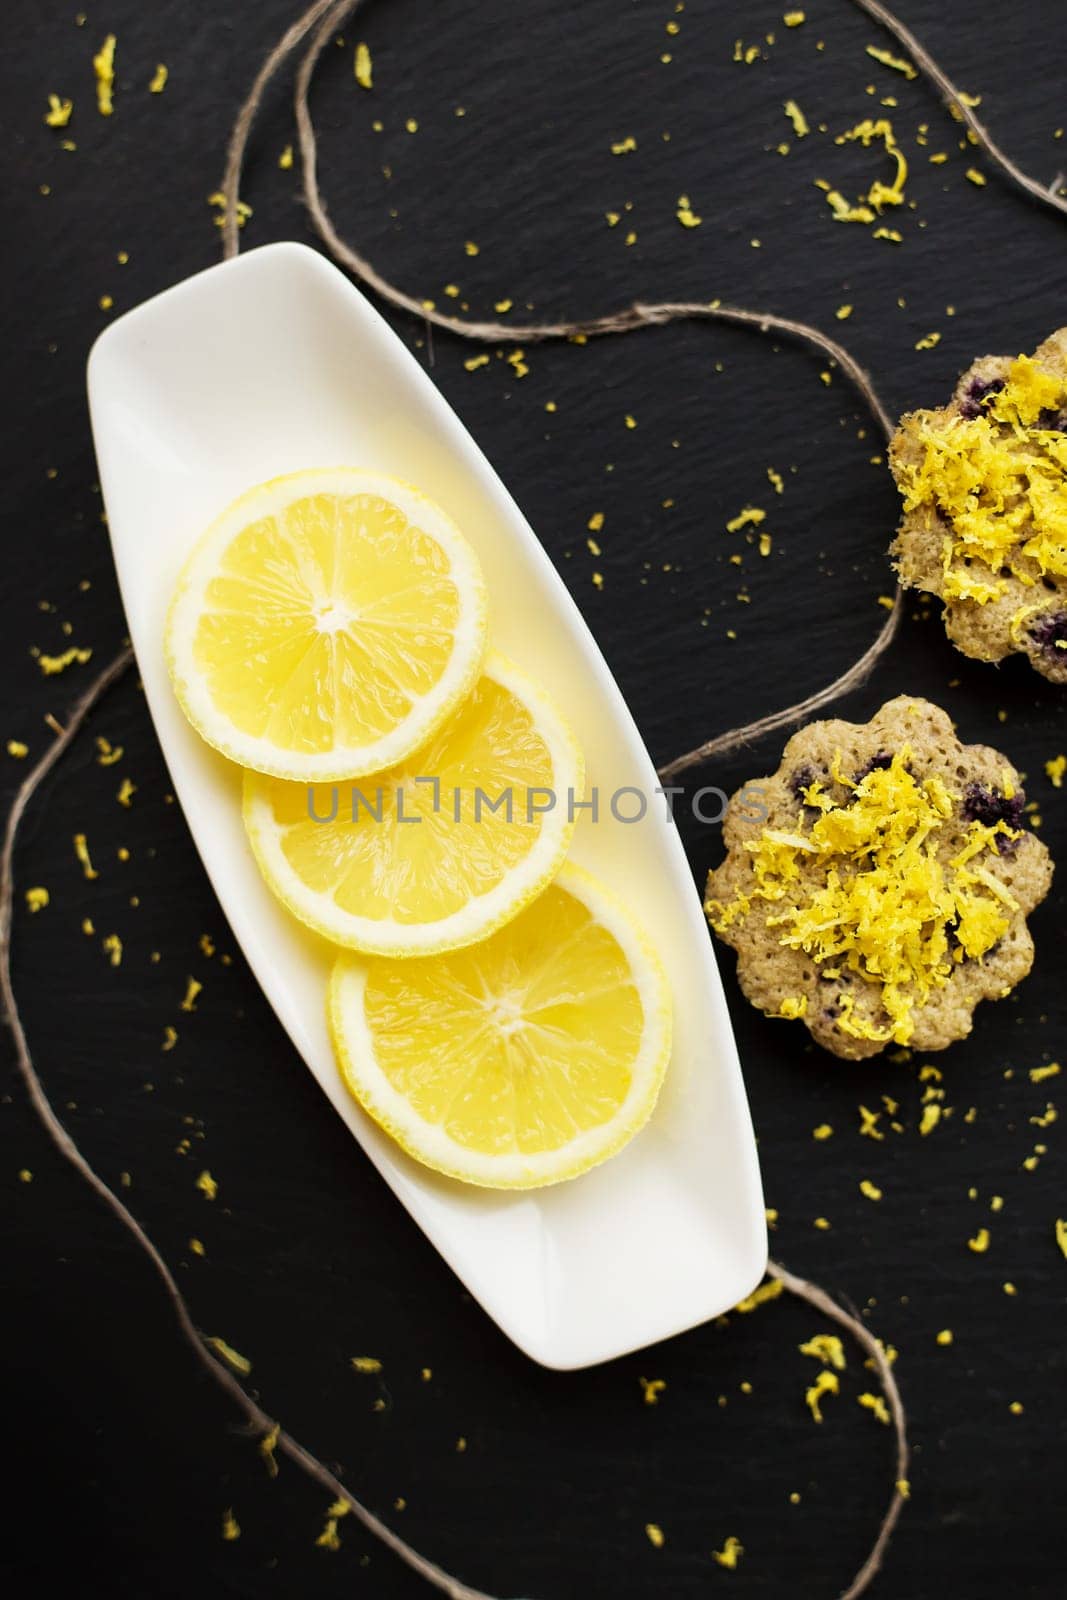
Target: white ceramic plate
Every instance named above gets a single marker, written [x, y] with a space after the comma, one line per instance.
[274, 362]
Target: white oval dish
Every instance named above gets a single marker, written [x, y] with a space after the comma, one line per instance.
[273, 362]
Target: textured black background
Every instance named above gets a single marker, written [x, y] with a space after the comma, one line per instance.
[124, 1459]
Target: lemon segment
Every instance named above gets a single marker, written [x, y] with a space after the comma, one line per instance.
[326, 624]
[520, 1061]
[436, 852]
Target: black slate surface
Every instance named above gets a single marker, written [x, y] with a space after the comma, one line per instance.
[122, 1460]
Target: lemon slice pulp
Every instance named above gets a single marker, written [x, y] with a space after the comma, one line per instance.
[520, 1061]
[437, 852]
[326, 624]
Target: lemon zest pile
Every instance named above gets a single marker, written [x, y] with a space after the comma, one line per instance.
[1000, 480]
[880, 900]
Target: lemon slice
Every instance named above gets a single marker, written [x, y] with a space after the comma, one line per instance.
[522, 1060]
[326, 624]
[438, 851]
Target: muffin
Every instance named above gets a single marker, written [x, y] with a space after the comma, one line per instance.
[984, 486]
[877, 886]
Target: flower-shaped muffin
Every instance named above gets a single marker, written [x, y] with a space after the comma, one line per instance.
[984, 484]
[877, 885]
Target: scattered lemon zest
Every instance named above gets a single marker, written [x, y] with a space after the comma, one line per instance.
[623, 147]
[207, 1185]
[50, 665]
[869, 1121]
[825, 1383]
[233, 1358]
[17, 750]
[108, 753]
[931, 1116]
[366, 1364]
[980, 1243]
[823, 1131]
[929, 341]
[1055, 770]
[976, 177]
[267, 1446]
[1039, 1074]
[827, 1348]
[81, 850]
[800, 122]
[231, 1528]
[651, 1389]
[685, 213]
[730, 1554]
[113, 949]
[159, 79]
[104, 68]
[793, 1006]
[875, 1404]
[363, 67]
[218, 199]
[59, 110]
[770, 1290]
[329, 1538]
[1061, 1235]
[750, 516]
[37, 899]
[655, 1535]
[897, 63]
[871, 1190]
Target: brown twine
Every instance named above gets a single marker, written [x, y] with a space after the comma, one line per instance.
[325, 16]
